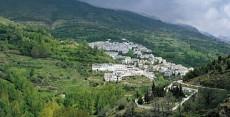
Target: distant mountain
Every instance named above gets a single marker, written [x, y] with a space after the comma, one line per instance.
[216, 74]
[220, 38]
[208, 34]
[225, 38]
[81, 21]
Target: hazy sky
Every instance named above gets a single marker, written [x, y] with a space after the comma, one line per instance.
[211, 16]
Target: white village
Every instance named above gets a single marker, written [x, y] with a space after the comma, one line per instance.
[134, 60]
[137, 60]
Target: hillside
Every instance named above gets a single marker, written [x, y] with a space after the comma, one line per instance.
[215, 74]
[222, 110]
[213, 81]
[42, 76]
[77, 20]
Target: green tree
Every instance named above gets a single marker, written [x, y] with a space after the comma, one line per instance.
[130, 53]
[40, 51]
[228, 63]
[219, 68]
[147, 97]
[49, 109]
[70, 112]
[140, 101]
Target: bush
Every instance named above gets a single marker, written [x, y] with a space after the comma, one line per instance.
[140, 101]
[121, 107]
[40, 51]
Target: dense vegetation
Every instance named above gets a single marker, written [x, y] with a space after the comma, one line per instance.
[42, 76]
[77, 20]
[222, 109]
[215, 74]
[202, 104]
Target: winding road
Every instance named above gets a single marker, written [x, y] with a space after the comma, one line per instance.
[195, 91]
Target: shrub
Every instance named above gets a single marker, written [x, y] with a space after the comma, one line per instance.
[140, 101]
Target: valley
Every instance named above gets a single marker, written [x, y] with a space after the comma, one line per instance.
[67, 58]
[77, 20]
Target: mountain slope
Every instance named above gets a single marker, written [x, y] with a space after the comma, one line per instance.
[215, 74]
[77, 20]
[37, 71]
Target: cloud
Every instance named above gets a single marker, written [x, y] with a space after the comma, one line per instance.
[212, 16]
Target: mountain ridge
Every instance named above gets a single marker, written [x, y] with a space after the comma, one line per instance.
[81, 21]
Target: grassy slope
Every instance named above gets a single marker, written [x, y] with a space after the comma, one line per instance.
[78, 20]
